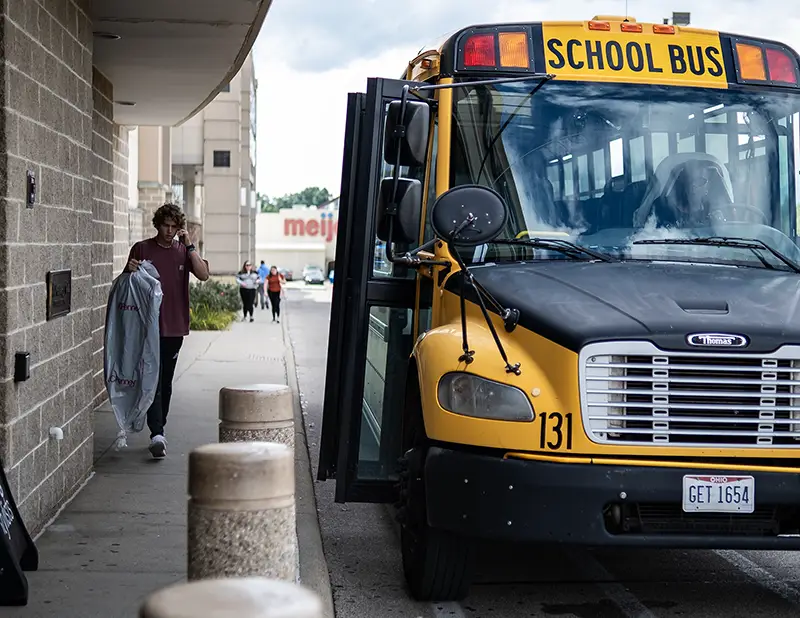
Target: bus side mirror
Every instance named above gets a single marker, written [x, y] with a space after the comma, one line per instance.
[469, 215]
[409, 133]
[409, 206]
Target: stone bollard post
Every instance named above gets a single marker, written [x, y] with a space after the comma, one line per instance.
[245, 597]
[256, 413]
[241, 511]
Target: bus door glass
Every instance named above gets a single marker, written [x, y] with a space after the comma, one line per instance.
[368, 360]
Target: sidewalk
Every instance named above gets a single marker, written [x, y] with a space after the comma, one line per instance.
[124, 535]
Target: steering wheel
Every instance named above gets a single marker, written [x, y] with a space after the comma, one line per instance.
[719, 213]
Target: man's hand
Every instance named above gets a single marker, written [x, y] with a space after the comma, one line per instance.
[184, 236]
[133, 265]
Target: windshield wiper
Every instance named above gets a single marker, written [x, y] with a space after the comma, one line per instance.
[543, 80]
[564, 246]
[721, 241]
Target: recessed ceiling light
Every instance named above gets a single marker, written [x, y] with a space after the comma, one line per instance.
[126, 103]
[107, 35]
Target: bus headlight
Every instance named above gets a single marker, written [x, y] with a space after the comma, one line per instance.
[471, 395]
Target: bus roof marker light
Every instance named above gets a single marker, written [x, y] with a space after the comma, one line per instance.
[626, 27]
[479, 51]
[599, 25]
[514, 50]
[751, 62]
[781, 66]
[663, 29]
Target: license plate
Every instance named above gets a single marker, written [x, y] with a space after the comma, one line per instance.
[718, 494]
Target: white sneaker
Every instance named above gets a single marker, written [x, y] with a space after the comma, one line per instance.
[158, 447]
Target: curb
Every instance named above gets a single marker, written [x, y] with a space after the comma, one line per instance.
[313, 565]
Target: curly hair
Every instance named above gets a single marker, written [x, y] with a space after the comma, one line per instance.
[169, 211]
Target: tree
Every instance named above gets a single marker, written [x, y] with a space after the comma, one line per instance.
[310, 196]
[265, 204]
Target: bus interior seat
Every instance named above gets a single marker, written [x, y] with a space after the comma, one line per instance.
[670, 184]
[616, 206]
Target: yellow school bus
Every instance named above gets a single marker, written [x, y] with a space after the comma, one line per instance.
[568, 294]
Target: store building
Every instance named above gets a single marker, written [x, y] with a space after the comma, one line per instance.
[294, 238]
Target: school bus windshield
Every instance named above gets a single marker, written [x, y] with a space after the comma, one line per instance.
[602, 165]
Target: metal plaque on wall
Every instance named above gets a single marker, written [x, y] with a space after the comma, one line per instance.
[59, 293]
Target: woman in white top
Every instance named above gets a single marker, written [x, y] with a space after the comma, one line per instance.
[248, 286]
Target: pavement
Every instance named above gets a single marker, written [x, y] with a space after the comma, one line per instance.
[123, 536]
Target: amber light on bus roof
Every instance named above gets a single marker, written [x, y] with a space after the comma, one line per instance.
[514, 50]
[482, 50]
[765, 63]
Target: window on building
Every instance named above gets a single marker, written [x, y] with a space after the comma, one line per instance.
[222, 158]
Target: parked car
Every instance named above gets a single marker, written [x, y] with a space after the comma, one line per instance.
[287, 274]
[314, 276]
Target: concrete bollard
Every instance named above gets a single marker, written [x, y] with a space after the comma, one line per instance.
[256, 413]
[241, 511]
[245, 597]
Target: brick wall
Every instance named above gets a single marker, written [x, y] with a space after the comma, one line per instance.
[46, 127]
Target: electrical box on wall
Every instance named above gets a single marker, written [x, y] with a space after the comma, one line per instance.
[22, 366]
[30, 194]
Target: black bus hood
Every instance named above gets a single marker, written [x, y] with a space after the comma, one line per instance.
[575, 303]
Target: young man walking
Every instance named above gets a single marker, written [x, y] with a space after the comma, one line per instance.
[174, 256]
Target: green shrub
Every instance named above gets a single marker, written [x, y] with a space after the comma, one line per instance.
[203, 318]
[215, 295]
[213, 305]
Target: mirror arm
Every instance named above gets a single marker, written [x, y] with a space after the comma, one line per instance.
[391, 207]
[509, 316]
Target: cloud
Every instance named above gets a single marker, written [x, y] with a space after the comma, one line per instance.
[320, 35]
[311, 53]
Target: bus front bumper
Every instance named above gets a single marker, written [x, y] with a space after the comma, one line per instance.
[489, 497]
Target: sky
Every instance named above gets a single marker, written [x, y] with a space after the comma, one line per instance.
[311, 53]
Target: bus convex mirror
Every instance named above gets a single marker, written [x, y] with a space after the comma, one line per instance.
[469, 215]
[409, 204]
[412, 136]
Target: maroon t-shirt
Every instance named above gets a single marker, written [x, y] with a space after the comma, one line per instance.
[173, 266]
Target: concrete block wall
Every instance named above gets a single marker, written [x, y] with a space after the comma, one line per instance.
[56, 120]
[46, 127]
[102, 220]
[124, 233]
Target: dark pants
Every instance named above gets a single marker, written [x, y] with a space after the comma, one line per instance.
[275, 301]
[157, 414]
[248, 300]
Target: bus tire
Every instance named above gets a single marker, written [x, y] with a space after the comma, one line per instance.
[438, 565]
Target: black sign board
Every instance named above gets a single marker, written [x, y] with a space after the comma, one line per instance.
[59, 293]
[17, 550]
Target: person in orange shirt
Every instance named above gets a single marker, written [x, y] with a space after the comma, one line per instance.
[274, 284]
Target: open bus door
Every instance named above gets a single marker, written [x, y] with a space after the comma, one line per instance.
[372, 317]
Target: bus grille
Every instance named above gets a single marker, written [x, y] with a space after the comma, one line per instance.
[635, 393]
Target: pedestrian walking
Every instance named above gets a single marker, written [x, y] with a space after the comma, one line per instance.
[275, 282]
[247, 279]
[263, 271]
[174, 256]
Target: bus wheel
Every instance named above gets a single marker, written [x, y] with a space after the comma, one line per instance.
[437, 564]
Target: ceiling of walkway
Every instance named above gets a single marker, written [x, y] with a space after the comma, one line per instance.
[172, 57]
